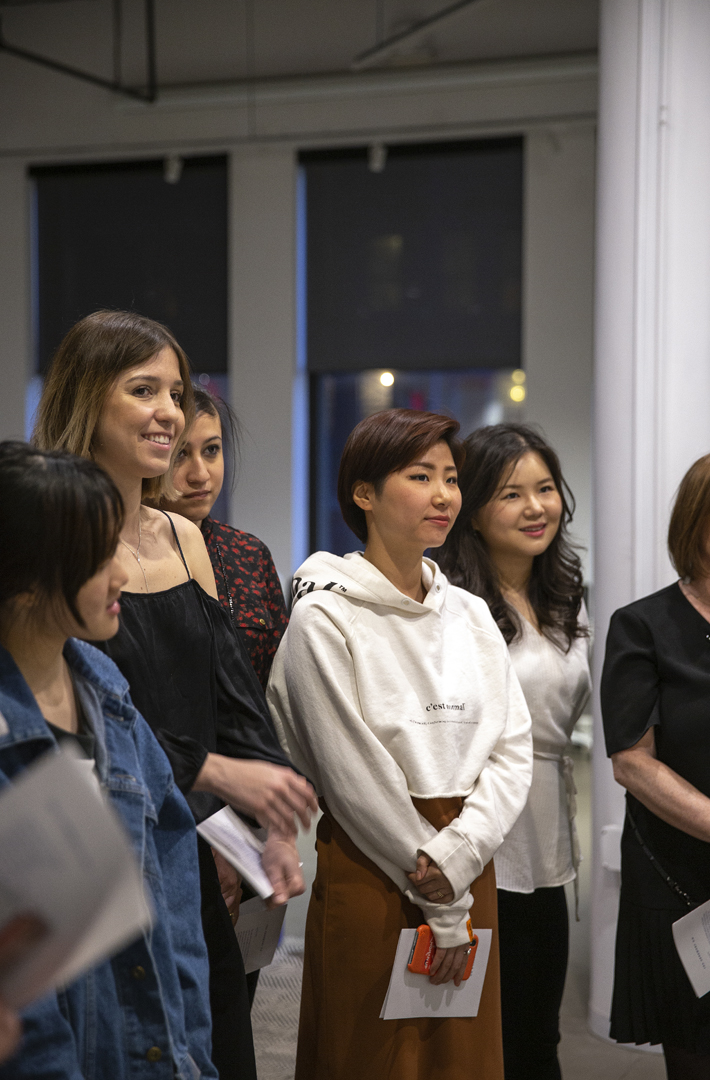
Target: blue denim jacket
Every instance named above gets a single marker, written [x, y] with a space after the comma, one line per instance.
[151, 1000]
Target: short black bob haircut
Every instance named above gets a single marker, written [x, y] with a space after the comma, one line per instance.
[386, 442]
[61, 520]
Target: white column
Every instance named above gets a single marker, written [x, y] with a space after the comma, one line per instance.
[15, 337]
[652, 376]
[263, 340]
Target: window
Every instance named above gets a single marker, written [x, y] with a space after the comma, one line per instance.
[120, 235]
[412, 298]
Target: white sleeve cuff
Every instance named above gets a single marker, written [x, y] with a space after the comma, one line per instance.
[455, 858]
[449, 925]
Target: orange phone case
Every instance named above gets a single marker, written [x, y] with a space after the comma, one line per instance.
[471, 956]
[423, 949]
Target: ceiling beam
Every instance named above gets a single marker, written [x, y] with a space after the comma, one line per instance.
[385, 48]
[150, 93]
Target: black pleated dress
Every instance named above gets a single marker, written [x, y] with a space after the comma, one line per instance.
[657, 674]
[191, 678]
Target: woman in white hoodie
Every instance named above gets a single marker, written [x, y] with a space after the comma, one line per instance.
[394, 692]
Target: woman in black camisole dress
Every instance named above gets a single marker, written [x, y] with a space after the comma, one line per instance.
[119, 392]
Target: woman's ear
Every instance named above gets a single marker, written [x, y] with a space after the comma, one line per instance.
[363, 494]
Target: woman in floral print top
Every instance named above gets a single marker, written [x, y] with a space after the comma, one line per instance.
[247, 582]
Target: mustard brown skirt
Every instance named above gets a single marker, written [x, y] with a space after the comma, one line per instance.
[354, 920]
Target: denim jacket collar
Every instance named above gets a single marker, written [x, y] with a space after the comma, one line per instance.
[99, 685]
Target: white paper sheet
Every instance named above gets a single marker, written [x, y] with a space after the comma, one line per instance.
[66, 860]
[409, 996]
[692, 940]
[258, 930]
[227, 834]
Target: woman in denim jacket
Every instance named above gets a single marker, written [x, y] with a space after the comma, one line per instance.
[145, 1012]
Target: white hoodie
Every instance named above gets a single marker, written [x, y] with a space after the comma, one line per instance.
[379, 698]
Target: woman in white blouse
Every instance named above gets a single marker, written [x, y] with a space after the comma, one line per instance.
[509, 545]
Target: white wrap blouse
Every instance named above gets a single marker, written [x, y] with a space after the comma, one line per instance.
[541, 850]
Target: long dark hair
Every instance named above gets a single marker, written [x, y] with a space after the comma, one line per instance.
[556, 589]
[61, 520]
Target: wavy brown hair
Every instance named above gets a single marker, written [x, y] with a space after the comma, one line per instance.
[84, 369]
[555, 590]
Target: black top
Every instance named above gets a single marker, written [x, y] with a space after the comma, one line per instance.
[190, 676]
[82, 740]
[657, 674]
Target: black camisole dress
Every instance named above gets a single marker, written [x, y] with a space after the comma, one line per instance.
[191, 678]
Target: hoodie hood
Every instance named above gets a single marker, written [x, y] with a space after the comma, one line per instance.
[354, 578]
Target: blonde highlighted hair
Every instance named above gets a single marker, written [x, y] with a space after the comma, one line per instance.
[85, 368]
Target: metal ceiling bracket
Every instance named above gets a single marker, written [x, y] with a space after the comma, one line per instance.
[149, 94]
[384, 48]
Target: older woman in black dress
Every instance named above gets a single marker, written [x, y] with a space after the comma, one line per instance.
[656, 705]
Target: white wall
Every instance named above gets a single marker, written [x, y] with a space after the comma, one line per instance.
[48, 117]
[558, 303]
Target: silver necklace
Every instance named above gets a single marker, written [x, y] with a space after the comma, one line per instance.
[137, 553]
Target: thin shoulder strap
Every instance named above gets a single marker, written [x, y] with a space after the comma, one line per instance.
[172, 526]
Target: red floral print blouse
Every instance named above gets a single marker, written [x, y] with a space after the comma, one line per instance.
[253, 584]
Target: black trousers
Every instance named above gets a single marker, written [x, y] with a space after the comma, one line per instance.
[534, 946]
[232, 1043]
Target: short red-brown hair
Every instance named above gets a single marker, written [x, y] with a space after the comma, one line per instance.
[689, 529]
[384, 443]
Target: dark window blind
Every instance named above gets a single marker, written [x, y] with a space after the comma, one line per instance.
[119, 236]
[418, 266]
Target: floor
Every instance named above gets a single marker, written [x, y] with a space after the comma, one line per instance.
[582, 1056]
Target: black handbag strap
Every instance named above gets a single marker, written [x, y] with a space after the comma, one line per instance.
[687, 900]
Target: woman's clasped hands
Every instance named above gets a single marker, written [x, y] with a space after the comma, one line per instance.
[448, 964]
[430, 882]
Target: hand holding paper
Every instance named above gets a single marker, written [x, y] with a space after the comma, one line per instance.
[236, 842]
[271, 867]
[280, 861]
[409, 995]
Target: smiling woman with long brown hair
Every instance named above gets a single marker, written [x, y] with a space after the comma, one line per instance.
[119, 392]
